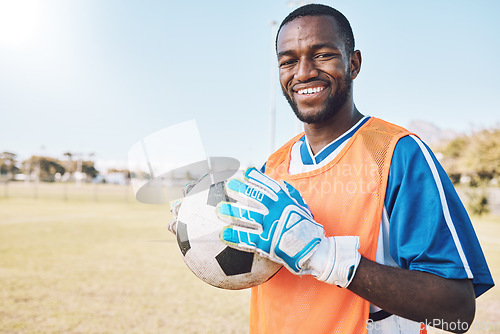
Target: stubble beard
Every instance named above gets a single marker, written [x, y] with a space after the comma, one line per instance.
[333, 104]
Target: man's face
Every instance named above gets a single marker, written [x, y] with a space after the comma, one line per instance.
[314, 68]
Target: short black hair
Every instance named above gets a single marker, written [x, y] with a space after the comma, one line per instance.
[318, 10]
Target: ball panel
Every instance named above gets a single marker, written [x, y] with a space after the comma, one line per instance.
[201, 259]
[217, 194]
[182, 238]
[235, 262]
[201, 219]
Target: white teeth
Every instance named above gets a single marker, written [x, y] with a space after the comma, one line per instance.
[310, 90]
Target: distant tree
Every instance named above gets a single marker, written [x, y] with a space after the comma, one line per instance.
[482, 156]
[48, 167]
[476, 159]
[78, 165]
[476, 156]
[125, 172]
[89, 169]
[452, 157]
[8, 165]
[69, 164]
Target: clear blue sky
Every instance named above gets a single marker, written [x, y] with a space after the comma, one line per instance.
[96, 76]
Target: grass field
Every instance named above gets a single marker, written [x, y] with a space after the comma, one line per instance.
[91, 259]
[101, 264]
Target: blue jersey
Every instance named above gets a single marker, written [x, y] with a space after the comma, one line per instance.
[424, 226]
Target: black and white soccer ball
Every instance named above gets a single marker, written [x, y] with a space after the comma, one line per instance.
[198, 236]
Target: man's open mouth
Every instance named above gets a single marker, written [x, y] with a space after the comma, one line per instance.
[307, 91]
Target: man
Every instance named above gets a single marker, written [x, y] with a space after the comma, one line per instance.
[375, 239]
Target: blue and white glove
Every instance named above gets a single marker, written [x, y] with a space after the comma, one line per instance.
[273, 220]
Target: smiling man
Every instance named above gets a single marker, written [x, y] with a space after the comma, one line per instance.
[384, 244]
[319, 87]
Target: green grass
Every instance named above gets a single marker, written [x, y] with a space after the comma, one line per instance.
[487, 318]
[488, 305]
[93, 260]
[106, 266]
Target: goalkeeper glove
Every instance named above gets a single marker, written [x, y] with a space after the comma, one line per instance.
[274, 221]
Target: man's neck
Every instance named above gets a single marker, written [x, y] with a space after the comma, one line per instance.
[320, 135]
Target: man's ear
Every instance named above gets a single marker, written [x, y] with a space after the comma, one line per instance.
[355, 63]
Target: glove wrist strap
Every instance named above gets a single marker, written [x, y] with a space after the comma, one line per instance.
[343, 261]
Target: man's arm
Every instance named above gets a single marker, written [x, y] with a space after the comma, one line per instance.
[432, 297]
[289, 235]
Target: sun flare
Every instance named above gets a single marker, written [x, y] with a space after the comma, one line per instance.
[18, 22]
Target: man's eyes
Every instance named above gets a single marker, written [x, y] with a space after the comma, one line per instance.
[325, 56]
[287, 63]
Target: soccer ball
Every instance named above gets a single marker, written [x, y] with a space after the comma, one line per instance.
[198, 229]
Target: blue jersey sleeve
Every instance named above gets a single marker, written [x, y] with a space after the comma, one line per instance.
[429, 228]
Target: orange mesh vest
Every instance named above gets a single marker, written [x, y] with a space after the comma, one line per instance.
[347, 197]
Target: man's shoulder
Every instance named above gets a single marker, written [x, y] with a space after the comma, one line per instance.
[382, 125]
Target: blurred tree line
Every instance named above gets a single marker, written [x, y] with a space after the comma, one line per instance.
[46, 169]
[473, 160]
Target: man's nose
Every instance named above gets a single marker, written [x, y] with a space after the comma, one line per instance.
[306, 70]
